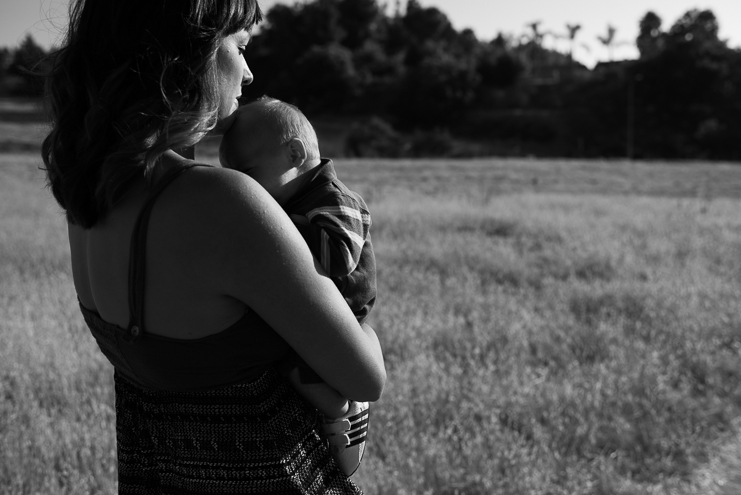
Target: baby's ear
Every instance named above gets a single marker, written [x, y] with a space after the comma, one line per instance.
[297, 152]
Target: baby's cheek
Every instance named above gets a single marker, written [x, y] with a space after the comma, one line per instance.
[226, 155]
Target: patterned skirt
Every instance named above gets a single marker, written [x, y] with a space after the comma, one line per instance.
[258, 437]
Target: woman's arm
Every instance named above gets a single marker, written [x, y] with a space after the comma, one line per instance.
[259, 258]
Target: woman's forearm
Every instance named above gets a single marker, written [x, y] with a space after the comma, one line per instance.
[375, 346]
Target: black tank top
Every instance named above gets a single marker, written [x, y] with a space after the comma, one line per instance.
[238, 354]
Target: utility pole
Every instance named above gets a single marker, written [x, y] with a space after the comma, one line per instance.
[630, 131]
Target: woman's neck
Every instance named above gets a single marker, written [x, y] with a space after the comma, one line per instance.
[189, 152]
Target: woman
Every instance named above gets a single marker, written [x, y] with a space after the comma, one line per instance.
[191, 278]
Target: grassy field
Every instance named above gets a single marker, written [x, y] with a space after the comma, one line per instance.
[549, 327]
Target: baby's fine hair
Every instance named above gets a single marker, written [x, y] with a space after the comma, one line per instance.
[291, 123]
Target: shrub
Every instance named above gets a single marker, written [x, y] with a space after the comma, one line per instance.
[433, 143]
[374, 137]
[520, 125]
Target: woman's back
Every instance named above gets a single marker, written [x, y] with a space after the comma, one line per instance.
[178, 357]
[182, 295]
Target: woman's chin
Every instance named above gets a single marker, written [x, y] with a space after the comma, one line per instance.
[224, 123]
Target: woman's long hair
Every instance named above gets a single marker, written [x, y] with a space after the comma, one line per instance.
[133, 79]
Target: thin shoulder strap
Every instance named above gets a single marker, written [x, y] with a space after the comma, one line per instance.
[137, 252]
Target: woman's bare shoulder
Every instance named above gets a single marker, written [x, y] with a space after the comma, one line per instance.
[217, 180]
[217, 210]
[208, 192]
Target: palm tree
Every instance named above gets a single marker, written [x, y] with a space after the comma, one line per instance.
[609, 40]
[573, 29]
[537, 36]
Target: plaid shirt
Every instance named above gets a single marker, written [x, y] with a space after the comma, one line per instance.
[335, 222]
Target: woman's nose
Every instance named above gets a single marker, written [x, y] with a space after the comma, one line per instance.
[247, 76]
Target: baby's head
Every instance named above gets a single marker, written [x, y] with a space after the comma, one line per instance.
[272, 142]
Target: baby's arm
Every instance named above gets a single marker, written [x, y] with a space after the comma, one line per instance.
[340, 226]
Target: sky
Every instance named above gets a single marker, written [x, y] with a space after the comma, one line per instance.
[45, 20]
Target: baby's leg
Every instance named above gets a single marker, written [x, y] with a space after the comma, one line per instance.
[327, 400]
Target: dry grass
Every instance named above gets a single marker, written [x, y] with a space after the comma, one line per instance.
[56, 407]
[549, 327]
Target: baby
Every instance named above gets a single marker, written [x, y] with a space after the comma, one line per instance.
[275, 144]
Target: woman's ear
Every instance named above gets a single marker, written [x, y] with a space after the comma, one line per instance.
[297, 152]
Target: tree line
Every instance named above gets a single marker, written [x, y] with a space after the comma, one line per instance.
[413, 85]
[17, 67]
